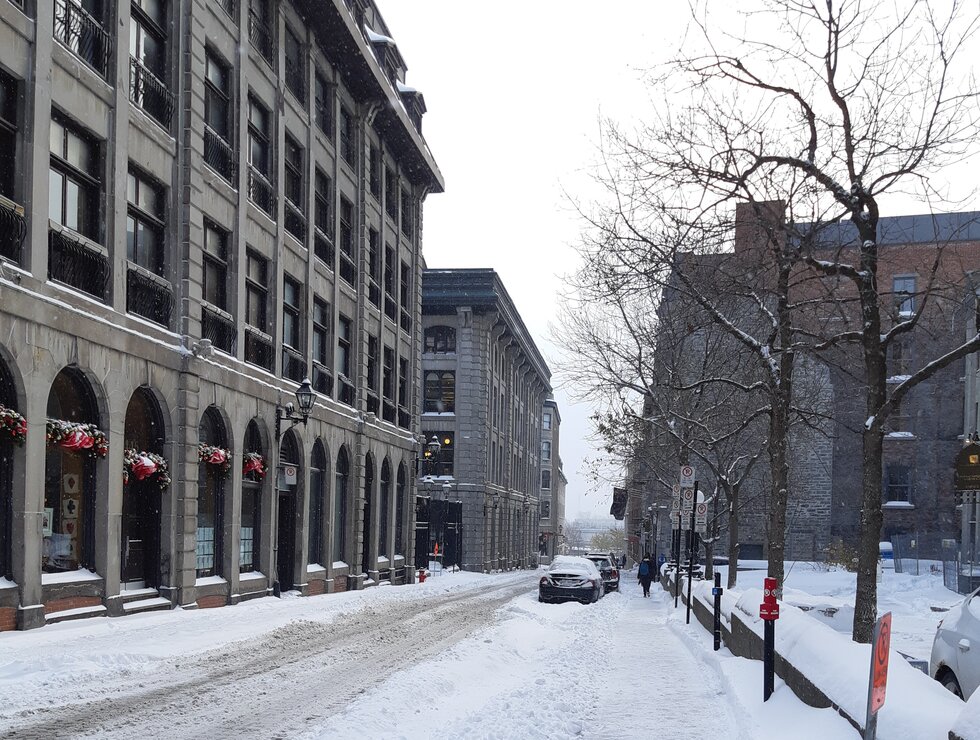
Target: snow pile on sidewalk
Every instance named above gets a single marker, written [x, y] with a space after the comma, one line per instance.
[967, 725]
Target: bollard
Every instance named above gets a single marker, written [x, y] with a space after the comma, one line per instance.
[717, 592]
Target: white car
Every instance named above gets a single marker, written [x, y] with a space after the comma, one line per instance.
[955, 660]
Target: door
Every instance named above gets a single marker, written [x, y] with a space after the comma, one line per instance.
[366, 548]
[141, 535]
[287, 541]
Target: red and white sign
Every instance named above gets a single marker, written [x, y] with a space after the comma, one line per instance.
[880, 645]
[701, 518]
[687, 476]
[687, 500]
[769, 609]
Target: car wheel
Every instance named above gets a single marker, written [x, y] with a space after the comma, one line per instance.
[948, 679]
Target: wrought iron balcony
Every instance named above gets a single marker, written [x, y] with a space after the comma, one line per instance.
[322, 379]
[150, 94]
[345, 391]
[348, 270]
[219, 328]
[83, 34]
[295, 222]
[323, 248]
[149, 296]
[219, 155]
[76, 263]
[262, 39]
[13, 229]
[260, 192]
[293, 364]
[258, 348]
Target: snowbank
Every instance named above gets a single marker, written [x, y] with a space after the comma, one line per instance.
[967, 727]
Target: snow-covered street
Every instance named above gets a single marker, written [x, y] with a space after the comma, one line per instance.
[463, 655]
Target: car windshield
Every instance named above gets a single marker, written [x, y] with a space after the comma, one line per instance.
[600, 562]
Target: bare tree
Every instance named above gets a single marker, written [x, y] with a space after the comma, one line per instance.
[826, 107]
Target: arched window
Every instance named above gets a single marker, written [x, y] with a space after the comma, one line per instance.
[248, 550]
[341, 482]
[140, 526]
[8, 400]
[384, 509]
[400, 511]
[211, 498]
[70, 482]
[440, 339]
[318, 477]
[440, 392]
[368, 522]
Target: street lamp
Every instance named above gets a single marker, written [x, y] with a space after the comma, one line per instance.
[305, 399]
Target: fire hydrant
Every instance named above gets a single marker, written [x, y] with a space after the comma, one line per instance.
[422, 575]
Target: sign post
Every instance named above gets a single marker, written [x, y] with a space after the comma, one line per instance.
[880, 644]
[717, 591]
[690, 551]
[769, 611]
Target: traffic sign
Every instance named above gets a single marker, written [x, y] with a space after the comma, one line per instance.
[675, 519]
[701, 518]
[879, 662]
[675, 505]
[687, 500]
[687, 476]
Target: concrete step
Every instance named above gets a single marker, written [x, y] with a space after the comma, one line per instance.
[156, 603]
[138, 594]
[82, 612]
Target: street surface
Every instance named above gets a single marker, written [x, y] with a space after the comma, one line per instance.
[463, 655]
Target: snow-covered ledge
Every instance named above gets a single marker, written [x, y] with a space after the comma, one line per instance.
[82, 575]
[898, 505]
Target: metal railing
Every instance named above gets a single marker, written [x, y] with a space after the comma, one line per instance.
[149, 296]
[219, 329]
[260, 192]
[293, 364]
[323, 248]
[75, 263]
[295, 221]
[258, 348]
[150, 94]
[262, 39]
[83, 34]
[219, 155]
[13, 229]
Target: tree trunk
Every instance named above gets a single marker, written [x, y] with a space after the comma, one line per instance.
[778, 429]
[733, 544]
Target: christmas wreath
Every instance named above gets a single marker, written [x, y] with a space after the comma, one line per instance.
[254, 466]
[86, 439]
[142, 465]
[217, 457]
[12, 425]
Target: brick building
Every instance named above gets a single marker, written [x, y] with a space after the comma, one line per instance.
[485, 387]
[203, 203]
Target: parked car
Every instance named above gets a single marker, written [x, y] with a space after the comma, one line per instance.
[955, 659]
[607, 569]
[571, 578]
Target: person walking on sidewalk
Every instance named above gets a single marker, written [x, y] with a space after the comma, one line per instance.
[645, 573]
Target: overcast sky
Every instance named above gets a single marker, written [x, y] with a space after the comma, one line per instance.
[515, 91]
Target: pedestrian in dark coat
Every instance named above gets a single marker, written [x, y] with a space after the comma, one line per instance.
[645, 573]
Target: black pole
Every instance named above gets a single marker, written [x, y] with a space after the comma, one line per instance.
[677, 565]
[717, 594]
[768, 662]
[690, 560]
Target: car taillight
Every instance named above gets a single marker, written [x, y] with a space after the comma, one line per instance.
[615, 574]
[592, 581]
[544, 581]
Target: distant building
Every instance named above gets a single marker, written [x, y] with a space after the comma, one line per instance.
[484, 389]
[553, 482]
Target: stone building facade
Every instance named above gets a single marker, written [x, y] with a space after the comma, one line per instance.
[553, 484]
[203, 203]
[484, 389]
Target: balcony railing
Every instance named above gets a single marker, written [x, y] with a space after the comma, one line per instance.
[295, 74]
[295, 221]
[348, 270]
[78, 264]
[322, 379]
[219, 328]
[323, 248]
[149, 296]
[84, 35]
[220, 156]
[293, 364]
[260, 192]
[150, 94]
[345, 391]
[258, 348]
[13, 229]
[262, 39]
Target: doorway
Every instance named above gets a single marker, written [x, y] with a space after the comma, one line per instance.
[286, 534]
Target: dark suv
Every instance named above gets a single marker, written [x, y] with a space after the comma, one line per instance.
[607, 568]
